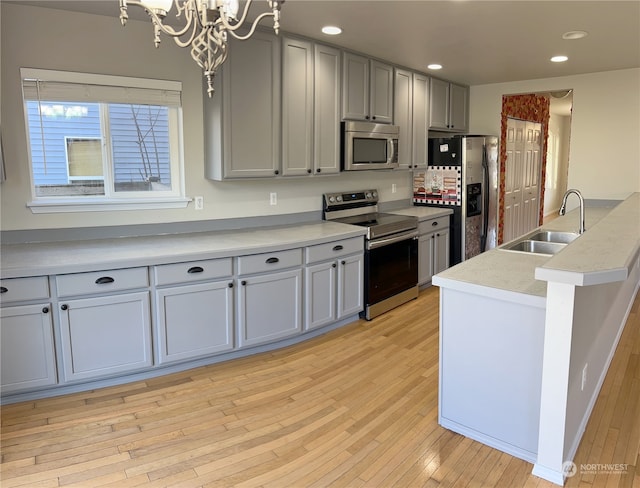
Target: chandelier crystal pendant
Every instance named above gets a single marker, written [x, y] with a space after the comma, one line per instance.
[207, 24]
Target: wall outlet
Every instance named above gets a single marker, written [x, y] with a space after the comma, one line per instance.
[273, 198]
[394, 188]
[198, 203]
[584, 376]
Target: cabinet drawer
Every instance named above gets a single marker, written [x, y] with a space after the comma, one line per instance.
[430, 225]
[324, 252]
[102, 281]
[169, 274]
[22, 289]
[269, 261]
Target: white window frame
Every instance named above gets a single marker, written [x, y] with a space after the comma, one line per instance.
[114, 200]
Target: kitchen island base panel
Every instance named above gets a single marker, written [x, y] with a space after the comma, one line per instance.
[498, 444]
[491, 354]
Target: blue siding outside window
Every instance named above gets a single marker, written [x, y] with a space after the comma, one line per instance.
[139, 136]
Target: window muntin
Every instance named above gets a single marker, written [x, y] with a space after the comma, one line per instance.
[128, 137]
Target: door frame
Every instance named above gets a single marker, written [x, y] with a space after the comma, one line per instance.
[533, 107]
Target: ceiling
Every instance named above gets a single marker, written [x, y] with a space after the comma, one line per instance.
[477, 41]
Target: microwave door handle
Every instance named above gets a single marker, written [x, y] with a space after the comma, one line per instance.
[392, 150]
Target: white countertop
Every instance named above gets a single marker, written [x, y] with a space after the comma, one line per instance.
[35, 259]
[605, 251]
[423, 213]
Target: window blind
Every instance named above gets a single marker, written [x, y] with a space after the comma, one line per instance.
[82, 87]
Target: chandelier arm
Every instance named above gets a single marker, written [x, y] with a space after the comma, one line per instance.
[168, 30]
[253, 27]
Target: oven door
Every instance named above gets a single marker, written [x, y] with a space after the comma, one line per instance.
[391, 266]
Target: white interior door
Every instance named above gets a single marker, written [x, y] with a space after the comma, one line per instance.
[514, 169]
[522, 177]
[531, 183]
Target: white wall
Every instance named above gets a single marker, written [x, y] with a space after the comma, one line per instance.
[52, 39]
[604, 159]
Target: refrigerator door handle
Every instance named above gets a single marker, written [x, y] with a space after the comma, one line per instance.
[485, 200]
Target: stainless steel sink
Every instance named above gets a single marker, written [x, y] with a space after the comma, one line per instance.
[553, 236]
[536, 246]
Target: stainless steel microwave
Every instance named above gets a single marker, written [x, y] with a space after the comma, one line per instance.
[367, 145]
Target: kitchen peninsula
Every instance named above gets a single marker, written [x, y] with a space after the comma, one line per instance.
[526, 339]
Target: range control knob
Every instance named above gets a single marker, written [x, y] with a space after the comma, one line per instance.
[339, 198]
[375, 194]
[331, 199]
[369, 195]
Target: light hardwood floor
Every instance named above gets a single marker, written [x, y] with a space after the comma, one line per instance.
[356, 407]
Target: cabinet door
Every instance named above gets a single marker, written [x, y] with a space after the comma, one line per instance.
[105, 335]
[297, 107]
[27, 358]
[326, 127]
[426, 245]
[438, 104]
[458, 116]
[194, 320]
[355, 87]
[320, 295]
[251, 107]
[381, 94]
[403, 116]
[350, 285]
[269, 307]
[420, 120]
[441, 251]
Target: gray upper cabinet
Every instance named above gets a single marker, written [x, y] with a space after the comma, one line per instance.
[310, 108]
[297, 107]
[367, 92]
[448, 109]
[242, 120]
[410, 113]
[326, 129]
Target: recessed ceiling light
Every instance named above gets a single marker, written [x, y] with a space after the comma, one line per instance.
[331, 30]
[559, 59]
[575, 34]
[435, 66]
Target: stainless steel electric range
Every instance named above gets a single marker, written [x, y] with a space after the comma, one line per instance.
[391, 251]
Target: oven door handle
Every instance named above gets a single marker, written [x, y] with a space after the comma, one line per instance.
[375, 244]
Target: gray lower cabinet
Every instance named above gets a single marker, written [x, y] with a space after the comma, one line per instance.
[334, 278]
[269, 297]
[433, 248]
[108, 333]
[194, 316]
[27, 357]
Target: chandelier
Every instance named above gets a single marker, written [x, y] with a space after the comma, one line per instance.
[207, 24]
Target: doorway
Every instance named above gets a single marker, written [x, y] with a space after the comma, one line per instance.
[536, 108]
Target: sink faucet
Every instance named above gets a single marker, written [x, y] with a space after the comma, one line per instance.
[563, 207]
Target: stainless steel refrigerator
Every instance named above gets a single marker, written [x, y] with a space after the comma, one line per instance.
[462, 174]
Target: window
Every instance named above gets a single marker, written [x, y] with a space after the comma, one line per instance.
[102, 142]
